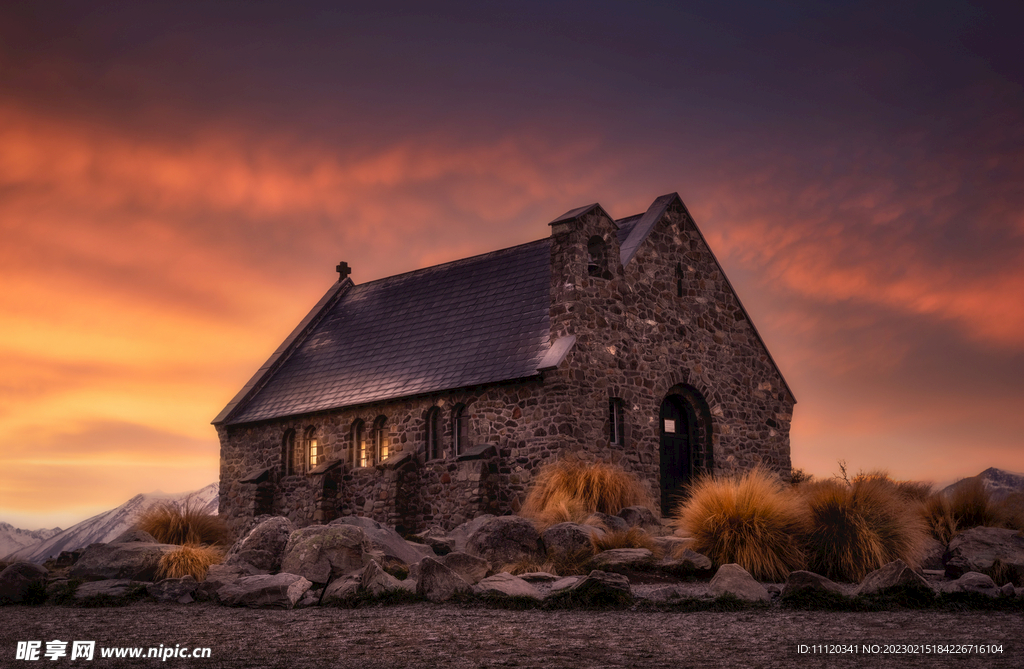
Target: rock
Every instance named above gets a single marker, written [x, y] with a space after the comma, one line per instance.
[263, 546]
[17, 581]
[437, 582]
[732, 579]
[311, 598]
[988, 550]
[601, 587]
[686, 564]
[321, 552]
[506, 585]
[538, 577]
[134, 536]
[974, 581]
[376, 581]
[506, 539]
[134, 560]
[606, 522]
[173, 589]
[641, 516]
[386, 540]
[808, 583]
[460, 535]
[67, 558]
[622, 560]
[565, 583]
[219, 575]
[277, 591]
[666, 593]
[116, 588]
[342, 588]
[569, 541]
[471, 568]
[931, 556]
[894, 574]
[437, 539]
[670, 545]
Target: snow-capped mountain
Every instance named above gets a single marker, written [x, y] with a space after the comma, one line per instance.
[998, 482]
[109, 524]
[13, 539]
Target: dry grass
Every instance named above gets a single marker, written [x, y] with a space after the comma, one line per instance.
[634, 537]
[570, 489]
[856, 528]
[753, 521]
[938, 516]
[968, 505]
[189, 560]
[185, 524]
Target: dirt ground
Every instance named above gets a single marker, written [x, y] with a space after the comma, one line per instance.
[427, 635]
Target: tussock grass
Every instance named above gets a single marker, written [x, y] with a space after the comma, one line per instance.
[753, 521]
[185, 524]
[968, 505]
[189, 560]
[858, 527]
[634, 537]
[571, 489]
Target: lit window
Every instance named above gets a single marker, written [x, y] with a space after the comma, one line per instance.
[616, 428]
[312, 449]
[380, 440]
[358, 444]
[460, 430]
[433, 442]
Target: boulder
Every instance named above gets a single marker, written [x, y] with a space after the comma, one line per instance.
[506, 585]
[569, 541]
[219, 575]
[471, 568]
[606, 522]
[460, 535]
[115, 588]
[173, 589]
[342, 588]
[896, 573]
[437, 539]
[671, 545]
[988, 550]
[539, 577]
[734, 580]
[376, 581]
[266, 591]
[437, 582]
[386, 540]
[622, 560]
[641, 516]
[321, 552]
[686, 564]
[134, 536]
[311, 598]
[263, 545]
[565, 583]
[506, 539]
[808, 583]
[135, 560]
[931, 555]
[600, 587]
[17, 580]
[974, 581]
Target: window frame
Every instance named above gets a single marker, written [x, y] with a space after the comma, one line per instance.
[433, 434]
[357, 433]
[616, 422]
[379, 436]
[460, 429]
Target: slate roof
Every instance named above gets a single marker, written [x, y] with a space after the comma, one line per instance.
[473, 321]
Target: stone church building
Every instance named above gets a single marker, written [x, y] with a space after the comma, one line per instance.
[432, 397]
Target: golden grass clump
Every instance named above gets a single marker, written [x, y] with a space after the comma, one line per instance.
[189, 560]
[857, 527]
[753, 521]
[185, 524]
[570, 489]
[970, 504]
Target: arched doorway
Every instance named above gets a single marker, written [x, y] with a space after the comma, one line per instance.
[685, 432]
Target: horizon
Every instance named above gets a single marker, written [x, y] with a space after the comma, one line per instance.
[177, 185]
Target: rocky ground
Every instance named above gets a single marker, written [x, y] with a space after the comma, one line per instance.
[446, 635]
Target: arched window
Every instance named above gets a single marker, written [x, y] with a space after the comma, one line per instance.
[313, 452]
[358, 444]
[433, 433]
[380, 440]
[460, 429]
[597, 257]
[288, 453]
[679, 280]
[616, 425]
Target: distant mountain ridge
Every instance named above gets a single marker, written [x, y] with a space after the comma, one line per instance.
[14, 539]
[999, 482]
[108, 525]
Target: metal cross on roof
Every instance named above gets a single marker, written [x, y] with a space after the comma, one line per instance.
[343, 270]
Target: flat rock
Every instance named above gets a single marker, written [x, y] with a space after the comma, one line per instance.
[539, 577]
[621, 560]
[263, 546]
[506, 585]
[974, 581]
[506, 539]
[267, 591]
[437, 582]
[686, 564]
[322, 552]
[342, 588]
[437, 539]
[734, 580]
[173, 589]
[118, 588]
[17, 579]
[219, 575]
[606, 522]
[385, 539]
[601, 587]
[136, 560]
[807, 582]
[896, 573]
[988, 550]
[569, 541]
[376, 581]
[471, 568]
[565, 582]
[134, 536]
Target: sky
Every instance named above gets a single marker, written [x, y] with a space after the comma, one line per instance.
[178, 182]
